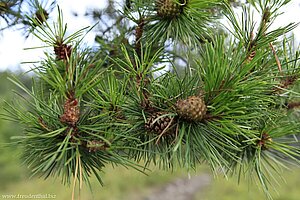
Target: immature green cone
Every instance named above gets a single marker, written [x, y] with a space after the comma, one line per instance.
[169, 8]
[193, 108]
[157, 124]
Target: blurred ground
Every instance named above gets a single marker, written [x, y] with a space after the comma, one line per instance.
[182, 188]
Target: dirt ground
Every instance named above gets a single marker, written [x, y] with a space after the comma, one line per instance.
[181, 188]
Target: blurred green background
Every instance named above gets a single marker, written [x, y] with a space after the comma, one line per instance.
[126, 184]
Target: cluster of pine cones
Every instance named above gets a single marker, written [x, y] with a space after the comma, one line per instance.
[192, 108]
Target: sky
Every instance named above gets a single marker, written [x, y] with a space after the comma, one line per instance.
[12, 42]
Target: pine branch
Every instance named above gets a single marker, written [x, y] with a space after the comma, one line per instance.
[88, 109]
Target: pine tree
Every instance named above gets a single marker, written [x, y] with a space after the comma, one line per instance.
[16, 12]
[230, 108]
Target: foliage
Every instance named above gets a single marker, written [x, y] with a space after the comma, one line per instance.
[230, 108]
[10, 168]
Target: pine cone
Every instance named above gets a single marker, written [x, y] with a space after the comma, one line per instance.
[169, 8]
[71, 112]
[62, 51]
[193, 108]
[157, 124]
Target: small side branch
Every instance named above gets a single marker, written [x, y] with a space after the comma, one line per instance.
[141, 81]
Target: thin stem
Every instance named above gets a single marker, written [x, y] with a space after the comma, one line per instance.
[276, 58]
[140, 79]
[75, 179]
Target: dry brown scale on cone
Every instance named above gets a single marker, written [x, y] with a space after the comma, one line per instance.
[159, 123]
[62, 51]
[169, 8]
[193, 108]
[71, 112]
